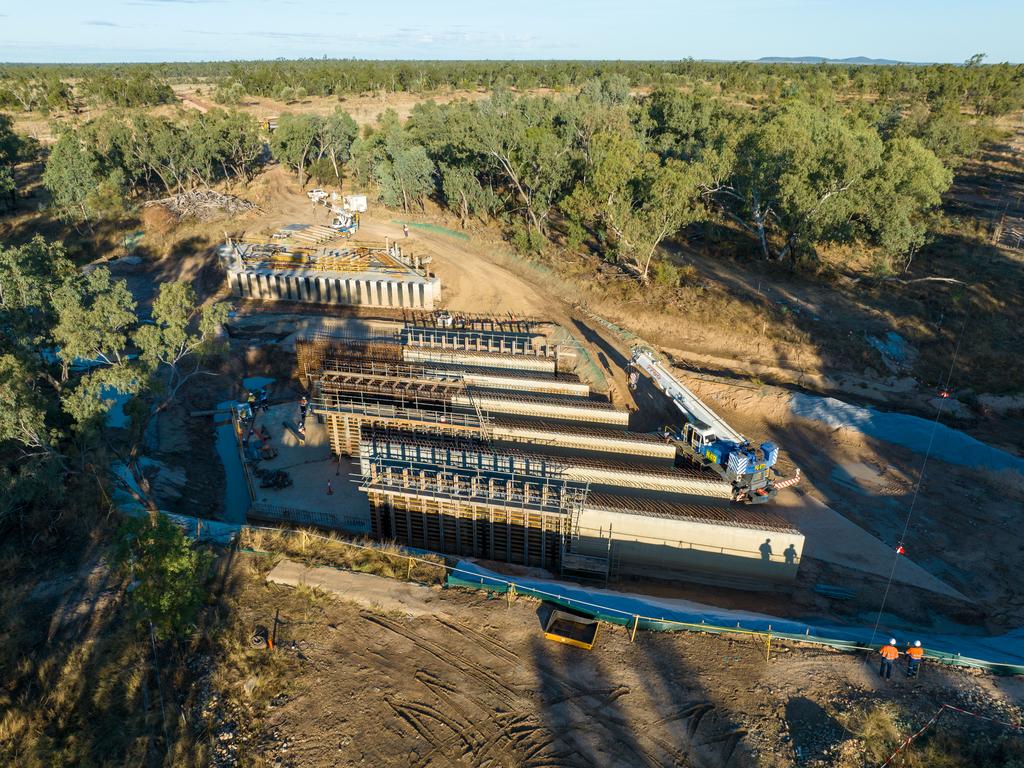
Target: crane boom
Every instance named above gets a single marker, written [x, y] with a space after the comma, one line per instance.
[693, 408]
[709, 440]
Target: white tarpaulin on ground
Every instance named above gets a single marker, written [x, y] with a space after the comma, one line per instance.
[912, 432]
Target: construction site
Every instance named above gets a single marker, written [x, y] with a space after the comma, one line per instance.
[315, 264]
[471, 435]
[511, 412]
[505, 529]
[478, 438]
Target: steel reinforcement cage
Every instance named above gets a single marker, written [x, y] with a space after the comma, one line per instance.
[516, 517]
[455, 494]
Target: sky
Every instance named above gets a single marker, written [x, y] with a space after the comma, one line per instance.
[190, 30]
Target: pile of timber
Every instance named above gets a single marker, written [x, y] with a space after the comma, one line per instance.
[203, 204]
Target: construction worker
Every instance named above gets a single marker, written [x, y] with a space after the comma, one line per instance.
[889, 655]
[405, 229]
[303, 408]
[914, 655]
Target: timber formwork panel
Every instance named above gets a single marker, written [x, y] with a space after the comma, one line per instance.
[453, 526]
[343, 432]
[344, 426]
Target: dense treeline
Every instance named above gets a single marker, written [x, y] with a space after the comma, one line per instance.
[620, 171]
[989, 90]
[781, 152]
[628, 172]
[93, 169]
[49, 89]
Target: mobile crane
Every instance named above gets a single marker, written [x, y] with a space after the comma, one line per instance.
[708, 440]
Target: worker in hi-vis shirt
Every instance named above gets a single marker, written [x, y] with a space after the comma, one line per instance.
[914, 655]
[889, 654]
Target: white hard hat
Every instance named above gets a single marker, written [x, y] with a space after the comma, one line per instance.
[892, 641]
[917, 643]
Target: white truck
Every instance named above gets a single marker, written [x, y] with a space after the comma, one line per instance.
[318, 195]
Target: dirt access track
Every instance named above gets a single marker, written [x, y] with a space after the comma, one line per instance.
[430, 677]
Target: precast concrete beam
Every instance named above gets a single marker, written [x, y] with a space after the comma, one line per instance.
[585, 411]
[479, 359]
[624, 444]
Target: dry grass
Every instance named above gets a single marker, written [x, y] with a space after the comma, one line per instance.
[951, 742]
[158, 222]
[80, 702]
[315, 548]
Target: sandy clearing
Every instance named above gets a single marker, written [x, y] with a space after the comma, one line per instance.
[365, 589]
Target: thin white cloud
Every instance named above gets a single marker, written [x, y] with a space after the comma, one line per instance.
[172, 2]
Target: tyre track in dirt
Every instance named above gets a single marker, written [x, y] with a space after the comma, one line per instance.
[482, 736]
[521, 737]
[485, 676]
[701, 722]
[489, 644]
[468, 726]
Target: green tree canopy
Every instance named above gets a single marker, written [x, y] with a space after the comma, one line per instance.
[95, 168]
[635, 198]
[66, 340]
[399, 165]
[14, 149]
[293, 140]
[168, 574]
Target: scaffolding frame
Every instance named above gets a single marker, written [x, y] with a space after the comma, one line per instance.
[517, 517]
[509, 324]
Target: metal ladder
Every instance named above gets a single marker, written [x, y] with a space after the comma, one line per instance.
[482, 419]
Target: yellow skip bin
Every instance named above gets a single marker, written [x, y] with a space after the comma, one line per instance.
[578, 631]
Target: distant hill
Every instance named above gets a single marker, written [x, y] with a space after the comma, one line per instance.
[825, 60]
